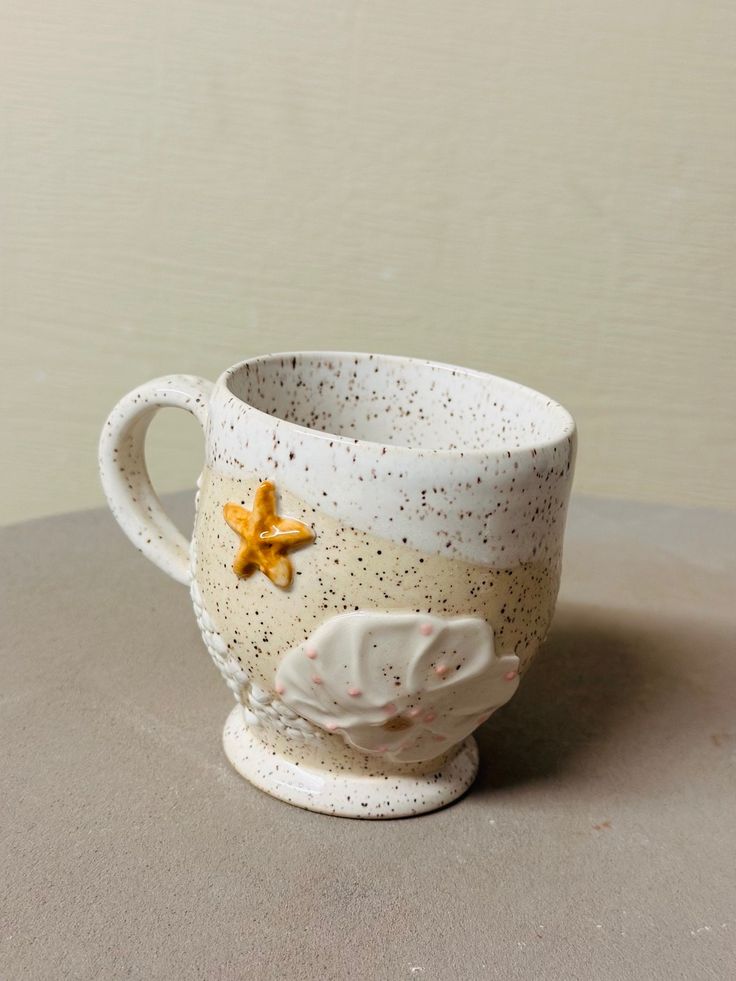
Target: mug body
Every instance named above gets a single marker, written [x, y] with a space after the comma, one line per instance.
[375, 563]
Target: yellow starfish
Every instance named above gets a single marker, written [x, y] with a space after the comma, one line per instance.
[265, 537]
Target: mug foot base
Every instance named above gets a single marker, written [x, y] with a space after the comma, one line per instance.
[346, 795]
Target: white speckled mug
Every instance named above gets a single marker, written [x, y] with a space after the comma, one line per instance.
[375, 562]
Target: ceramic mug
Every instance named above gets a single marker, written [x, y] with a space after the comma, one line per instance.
[374, 564]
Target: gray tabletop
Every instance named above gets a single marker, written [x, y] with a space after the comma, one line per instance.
[598, 842]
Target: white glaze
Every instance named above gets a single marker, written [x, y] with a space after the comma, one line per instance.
[124, 475]
[401, 685]
[347, 794]
[445, 459]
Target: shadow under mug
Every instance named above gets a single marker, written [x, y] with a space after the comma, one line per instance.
[375, 562]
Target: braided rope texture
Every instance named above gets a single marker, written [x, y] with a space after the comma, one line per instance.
[260, 707]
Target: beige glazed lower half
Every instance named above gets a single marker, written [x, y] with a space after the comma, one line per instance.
[250, 624]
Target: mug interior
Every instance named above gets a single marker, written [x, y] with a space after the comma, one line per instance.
[396, 401]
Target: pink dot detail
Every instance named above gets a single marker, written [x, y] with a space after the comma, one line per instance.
[280, 688]
[354, 692]
[311, 653]
[511, 675]
[413, 713]
[441, 670]
[382, 749]
[390, 709]
[316, 679]
[426, 630]
[430, 717]
[331, 726]
[439, 739]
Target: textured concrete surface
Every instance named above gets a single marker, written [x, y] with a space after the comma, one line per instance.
[598, 842]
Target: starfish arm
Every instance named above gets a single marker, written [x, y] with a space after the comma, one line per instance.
[279, 571]
[264, 501]
[292, 532]
[264, 514]
[244, 563]
[236, 516]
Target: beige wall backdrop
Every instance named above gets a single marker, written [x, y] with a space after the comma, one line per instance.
[543, 190]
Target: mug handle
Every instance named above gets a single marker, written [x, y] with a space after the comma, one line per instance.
[130, 494]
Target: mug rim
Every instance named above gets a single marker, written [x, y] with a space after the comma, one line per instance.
[565, 423]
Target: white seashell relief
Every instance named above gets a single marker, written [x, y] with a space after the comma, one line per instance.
[407, 686]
